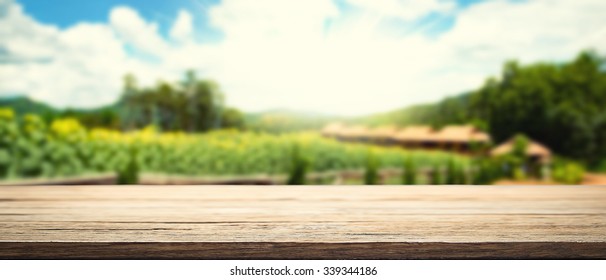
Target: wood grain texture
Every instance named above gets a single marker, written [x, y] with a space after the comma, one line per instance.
[285, 222]
[292, 250]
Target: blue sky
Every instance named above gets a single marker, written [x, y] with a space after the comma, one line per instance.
[69, 12]
[346, 57]
[65, 13]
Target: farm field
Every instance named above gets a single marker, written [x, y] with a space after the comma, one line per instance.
[31, 149]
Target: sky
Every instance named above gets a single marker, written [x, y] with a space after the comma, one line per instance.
[345, 57]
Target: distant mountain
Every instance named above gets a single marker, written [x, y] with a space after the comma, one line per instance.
[106, 116]
[448, 111]
[284, 120]
[416, 114]
[25, 105]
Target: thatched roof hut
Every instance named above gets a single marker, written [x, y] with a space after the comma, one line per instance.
[454, 137]
[383, 132]
[461, 134]
[481, 137]
[333, 129]
[355, 132]
[415, 134]
[534, 150]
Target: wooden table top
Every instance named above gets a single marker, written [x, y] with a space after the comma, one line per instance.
[232, 222]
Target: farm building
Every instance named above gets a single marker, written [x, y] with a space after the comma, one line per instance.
[355, 134]
[384, 135]
[459, 138]
[417, 137]
[333, 130]
[535, 151]
[345, 133]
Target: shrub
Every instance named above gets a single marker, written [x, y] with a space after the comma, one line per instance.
[451, 176]
[371, 175]
[520, 144]
[129, 175]
[299, 168]
[409, 174]
[460, 175]
[436, 176]
[479, 173]
[519, 174]
[494, 171]
[568, 173]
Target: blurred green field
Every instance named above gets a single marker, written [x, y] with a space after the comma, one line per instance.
[30, 148]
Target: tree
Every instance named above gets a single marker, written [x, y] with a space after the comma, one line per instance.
[232, 118]
[520, 145]
[192, 105]
[559, 105]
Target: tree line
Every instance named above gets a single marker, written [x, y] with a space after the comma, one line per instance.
[562, 105]
[191, 105]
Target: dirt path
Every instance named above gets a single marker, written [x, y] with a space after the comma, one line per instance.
[595, 179]
[591, 179]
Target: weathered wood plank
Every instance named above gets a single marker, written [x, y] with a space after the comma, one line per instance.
[519, 218]
[288, 251]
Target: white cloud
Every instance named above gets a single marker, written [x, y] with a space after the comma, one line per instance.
[21, 36]
[347, 69]
[404, 9]
[534, 30]
[302, 55]
[182, 30]
[489, 33]
[355, 69]
[134, 30]
[80, 66]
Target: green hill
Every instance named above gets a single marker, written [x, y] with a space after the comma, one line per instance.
[282, 120]
[24, 105]
[451, 110]
[106, 116]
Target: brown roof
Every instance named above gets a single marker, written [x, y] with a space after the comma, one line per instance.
[384, 132]
[354, 131]
[415, 133]
[333, 129]
[453, 133]
[481, 137]
[461, 133]
[533, 149]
